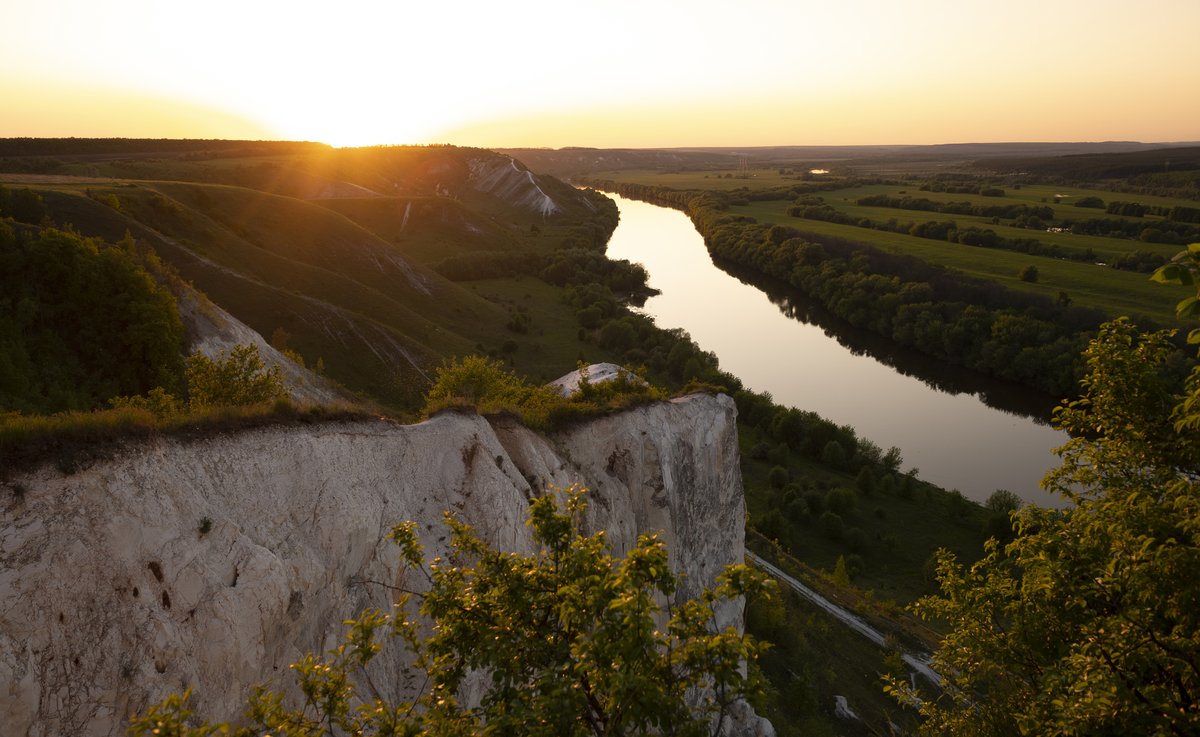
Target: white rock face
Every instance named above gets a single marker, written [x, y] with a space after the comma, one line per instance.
[511, 183]
[111, 597]
[597, 373]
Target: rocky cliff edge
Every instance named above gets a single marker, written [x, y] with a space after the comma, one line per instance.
[213, 564]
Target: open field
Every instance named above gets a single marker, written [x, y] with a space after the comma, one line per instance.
[1113, 291]
[754, 178]
[1110, 290]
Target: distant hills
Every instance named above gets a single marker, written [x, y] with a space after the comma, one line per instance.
[1019, 156]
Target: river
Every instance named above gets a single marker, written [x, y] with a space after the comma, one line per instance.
[936, 415]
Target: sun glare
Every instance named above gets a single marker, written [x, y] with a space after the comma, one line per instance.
[636, 74]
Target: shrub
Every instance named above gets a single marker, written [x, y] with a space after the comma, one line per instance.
[841, 500]
[833, 454]
[485, 385]
[865, 482]
[1002, 501]
[777, 477]
[831, 525]
[856, 539]
[232, 380]
[157, 401]
[569, 636]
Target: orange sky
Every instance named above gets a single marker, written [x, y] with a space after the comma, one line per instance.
[613, 73]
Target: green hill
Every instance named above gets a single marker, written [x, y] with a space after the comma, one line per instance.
[348, 280]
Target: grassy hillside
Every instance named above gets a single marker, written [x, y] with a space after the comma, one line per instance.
[346, 280]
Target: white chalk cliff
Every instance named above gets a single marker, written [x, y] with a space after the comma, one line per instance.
[112, 597]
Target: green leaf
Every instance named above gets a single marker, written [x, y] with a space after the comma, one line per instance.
[1188, 307]
[1172, 274]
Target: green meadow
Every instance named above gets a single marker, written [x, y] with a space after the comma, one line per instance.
[1086, 283]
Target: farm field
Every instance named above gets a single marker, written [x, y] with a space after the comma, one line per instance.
[1089, 283]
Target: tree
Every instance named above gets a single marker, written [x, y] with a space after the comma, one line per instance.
[1029, 274]
[568, 640]
[1088, 622]
[81, 321]
[238, 378]
[1002, 501]
[1184, 269]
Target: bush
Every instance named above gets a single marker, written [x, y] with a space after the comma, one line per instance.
[865, 482]
[1002, 501]
[568, 635]
[831, 525]
[834, 454]
[856, 539]
[841, 501]
[237, 379]
[777, 477]
[1029, 274]
[486, 386]
[855, 564]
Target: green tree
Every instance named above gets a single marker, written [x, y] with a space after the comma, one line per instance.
[841, 576]
[1088, 622]
[80, 322]
[572, 642]
[777, 477]
[233, 379]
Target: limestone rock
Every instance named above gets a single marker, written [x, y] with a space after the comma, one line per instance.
[213, 564]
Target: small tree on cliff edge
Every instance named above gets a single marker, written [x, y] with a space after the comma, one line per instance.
[572, 642]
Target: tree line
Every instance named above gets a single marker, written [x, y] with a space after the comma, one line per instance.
[1021, 337]
[81, 321]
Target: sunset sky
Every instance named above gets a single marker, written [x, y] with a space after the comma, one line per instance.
[637, 73]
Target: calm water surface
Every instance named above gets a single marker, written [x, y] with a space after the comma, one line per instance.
[954, 438]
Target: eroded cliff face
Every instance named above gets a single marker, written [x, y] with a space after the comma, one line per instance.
[112, 595]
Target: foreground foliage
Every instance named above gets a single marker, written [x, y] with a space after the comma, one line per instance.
[568, 640]
[1088, 622]
[485, 385]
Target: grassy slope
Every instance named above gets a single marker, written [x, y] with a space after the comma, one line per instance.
[364, 304]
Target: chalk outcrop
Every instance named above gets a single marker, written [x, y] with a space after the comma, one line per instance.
[502, 177]
[215, 563]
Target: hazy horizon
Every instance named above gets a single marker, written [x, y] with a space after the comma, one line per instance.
[619, 74]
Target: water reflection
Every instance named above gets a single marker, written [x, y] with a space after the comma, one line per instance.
[997, 394]
[776, 341]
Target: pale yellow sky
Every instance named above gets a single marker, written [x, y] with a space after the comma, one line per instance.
[635, 73]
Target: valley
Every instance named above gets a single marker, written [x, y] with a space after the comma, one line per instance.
[875, 426]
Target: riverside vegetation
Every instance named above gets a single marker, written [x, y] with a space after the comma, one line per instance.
[443, 276]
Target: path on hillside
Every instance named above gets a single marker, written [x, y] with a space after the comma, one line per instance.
[919, 663]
